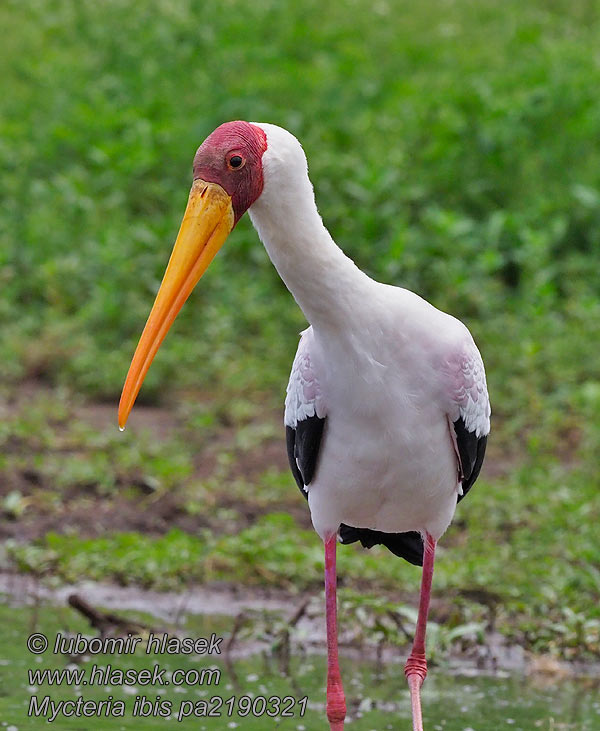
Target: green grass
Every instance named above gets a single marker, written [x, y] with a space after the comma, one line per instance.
[454, 149]
[521, 557]
[509, 573]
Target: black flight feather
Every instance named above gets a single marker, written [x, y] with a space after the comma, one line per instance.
[406, 545]
[303, 445]
[471, 450]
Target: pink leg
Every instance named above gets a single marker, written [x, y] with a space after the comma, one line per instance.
[336, 703]
[416, 665]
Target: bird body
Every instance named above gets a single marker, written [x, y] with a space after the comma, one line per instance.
[378, 359]
[386, 412]
[386, 461]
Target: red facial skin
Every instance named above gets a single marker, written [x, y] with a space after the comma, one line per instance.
[211, 162]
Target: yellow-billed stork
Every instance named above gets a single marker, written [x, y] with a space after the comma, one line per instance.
[387, 411]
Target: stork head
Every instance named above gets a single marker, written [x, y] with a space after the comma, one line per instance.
[231, 158]
[228, 179]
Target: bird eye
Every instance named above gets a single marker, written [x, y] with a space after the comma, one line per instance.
[235, 162]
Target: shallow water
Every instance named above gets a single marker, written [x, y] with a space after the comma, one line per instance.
[377, 695]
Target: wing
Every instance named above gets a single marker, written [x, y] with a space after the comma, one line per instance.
[305, 417]
[468, 411]
[471, 451]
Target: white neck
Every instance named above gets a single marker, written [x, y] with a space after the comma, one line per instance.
[326, 284]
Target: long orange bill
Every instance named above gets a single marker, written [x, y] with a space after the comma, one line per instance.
[208, 220]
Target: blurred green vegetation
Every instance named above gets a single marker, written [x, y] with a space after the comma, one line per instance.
[455, 150]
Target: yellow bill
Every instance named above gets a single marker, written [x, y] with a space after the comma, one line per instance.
[208, 220]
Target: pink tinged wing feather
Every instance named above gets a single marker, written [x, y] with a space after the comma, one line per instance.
[467, 388]
[303, 394]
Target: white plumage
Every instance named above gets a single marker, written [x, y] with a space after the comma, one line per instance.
[387, 409]
[387, 369]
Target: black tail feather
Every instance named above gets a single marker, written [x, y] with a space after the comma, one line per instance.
[406, 545]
